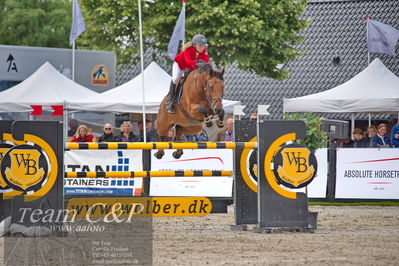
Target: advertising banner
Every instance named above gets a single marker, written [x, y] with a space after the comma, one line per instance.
[367, 173]
[209, 159]
[318, 187]
[103, 161]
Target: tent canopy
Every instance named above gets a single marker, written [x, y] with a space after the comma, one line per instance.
[128, 97]
[375, 89]
[46, 87]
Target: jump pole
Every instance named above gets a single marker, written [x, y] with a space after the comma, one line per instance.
[159, 145]
[181, 173]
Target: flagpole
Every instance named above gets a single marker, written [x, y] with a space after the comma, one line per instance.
[368, 55]
[142, 70]
[73, 61]
[184, 6]
[73, 44]
[367, 32]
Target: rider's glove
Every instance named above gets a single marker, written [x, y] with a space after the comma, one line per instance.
[200, 63]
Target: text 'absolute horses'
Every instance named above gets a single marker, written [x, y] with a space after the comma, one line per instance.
[201, 98]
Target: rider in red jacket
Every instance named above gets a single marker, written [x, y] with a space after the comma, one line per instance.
[192, 53]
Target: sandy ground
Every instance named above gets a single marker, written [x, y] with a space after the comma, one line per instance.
[365, 235]
[345, 236]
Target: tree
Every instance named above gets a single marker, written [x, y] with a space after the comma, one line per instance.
[256, 35]
[315, 137]
[45, 23]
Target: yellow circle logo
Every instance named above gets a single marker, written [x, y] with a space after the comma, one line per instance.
[29, 168]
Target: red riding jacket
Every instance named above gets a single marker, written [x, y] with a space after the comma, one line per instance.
[185, 59]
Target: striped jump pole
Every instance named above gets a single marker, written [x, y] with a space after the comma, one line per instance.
[151, 173]
[158, 145]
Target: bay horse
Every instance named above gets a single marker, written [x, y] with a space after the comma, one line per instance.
[201, 98]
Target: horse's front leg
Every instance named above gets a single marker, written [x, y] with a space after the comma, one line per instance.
[160, 153]
[207, 119]
[220, 122]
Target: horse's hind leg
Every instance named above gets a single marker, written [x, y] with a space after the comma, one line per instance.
[179, 152]
[160, 153]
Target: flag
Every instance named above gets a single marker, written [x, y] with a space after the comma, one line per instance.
[178, 33]
[381, 38]
[37, 110]
[78, 23]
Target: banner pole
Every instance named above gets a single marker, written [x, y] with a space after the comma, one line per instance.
[142, 70]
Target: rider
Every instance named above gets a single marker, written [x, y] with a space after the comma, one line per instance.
[188, 58]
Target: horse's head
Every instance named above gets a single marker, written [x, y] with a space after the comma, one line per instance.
[214, 87]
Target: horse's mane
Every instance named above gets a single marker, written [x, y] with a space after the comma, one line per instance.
[208, 67]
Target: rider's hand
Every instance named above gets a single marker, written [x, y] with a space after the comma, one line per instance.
[200, 63]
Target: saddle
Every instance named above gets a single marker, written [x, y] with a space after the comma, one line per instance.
[179, 88]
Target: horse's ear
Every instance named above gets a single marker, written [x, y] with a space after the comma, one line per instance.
[222, 71]
[211, 72]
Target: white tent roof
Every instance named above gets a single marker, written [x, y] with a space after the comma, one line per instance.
[128, 97]
[45, 87]
[375, 89]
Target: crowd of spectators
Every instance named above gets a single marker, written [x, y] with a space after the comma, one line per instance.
[375, 137]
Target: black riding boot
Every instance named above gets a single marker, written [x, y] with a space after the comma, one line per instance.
[170, 108]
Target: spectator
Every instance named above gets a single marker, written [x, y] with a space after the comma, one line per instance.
[381, 140]
[360, 140]
[253, 116]
[371, 132]
[347, 143]
[108, 136]
[228, 135]
[200, 137]
[82, 135]
[127, 134]
[73, 126]
[395, 136]
[171, 134]
[151, 134]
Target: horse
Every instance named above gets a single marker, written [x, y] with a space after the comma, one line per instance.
[201, 98]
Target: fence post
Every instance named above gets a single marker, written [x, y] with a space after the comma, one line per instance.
[332, 170]
[146, 167]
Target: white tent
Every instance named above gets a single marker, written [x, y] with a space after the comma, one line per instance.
[128, 97]
[375, 89]
[46, 87]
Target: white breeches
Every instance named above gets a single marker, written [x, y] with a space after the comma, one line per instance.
[176, 73]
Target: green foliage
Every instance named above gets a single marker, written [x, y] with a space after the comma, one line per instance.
[45, 23]
[315, 138]
[256, 35]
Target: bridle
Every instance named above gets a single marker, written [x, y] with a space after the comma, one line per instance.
[211, 100]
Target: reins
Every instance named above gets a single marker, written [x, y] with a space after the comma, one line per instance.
[211, 100]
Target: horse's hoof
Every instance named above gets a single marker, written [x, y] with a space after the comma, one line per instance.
[220, 124]
[158, 155]
[209, 124]
[177, 154]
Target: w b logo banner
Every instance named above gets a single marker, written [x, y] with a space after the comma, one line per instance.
[295, 165]
[24, 168]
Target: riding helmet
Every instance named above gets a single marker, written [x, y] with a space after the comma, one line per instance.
[199, 39]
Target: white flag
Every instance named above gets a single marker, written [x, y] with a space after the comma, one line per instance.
[381, 38]
[78, 23]
[178, 33]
